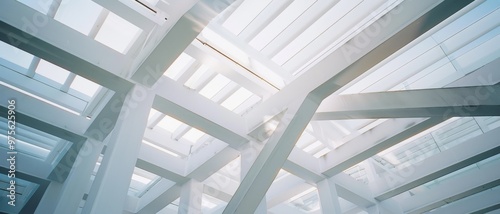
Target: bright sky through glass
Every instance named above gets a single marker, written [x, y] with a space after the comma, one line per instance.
[85, 86]
[117, 33]
[79, 15]
[52, 72]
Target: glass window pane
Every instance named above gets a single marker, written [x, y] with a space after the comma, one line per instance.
[85, 86]
[15, 55]
[52, 72]
[79, 15]
[117, 33]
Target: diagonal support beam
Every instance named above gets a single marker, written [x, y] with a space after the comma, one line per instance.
[478, 202]
[470, 182]
[272, 157]
[161, 201]
[197, 111]
[450, 102]
[383, 136]
[467, 153]
[35, 33]
[353, 59]
[185, 30]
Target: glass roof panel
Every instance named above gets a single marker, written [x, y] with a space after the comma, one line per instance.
[214, 86]
[170, 124]
[79, 15]
[237, 98]
[196, 78]
[430, 142]
[179, 66]
[193, 135]
[244, 15]
[15, 55]
[85, 86]
[117, 33]
[52, 72]
[294, 10]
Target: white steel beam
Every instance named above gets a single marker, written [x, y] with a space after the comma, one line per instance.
[109, 189]
[199, 112]
[191, 197]
[447, 102]
[455, 188]
[328, 196]
[283, 189]
[160, 163]
[303, 165]
[272, 157]
[352, 190]
[163, 200]
[182, 33]
[209, 160]
[467, 153]
[44, 112]
[138, 19]
[473, 203]
[356, 57]
[295, 28]
[35, 33]
[228, 68]
[65, 197]
[381, 137]
[252, 53]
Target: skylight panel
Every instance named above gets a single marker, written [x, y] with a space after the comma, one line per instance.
[193, 135]
[140, 179]
[294, 10]
[179, 66]
[244, 15]
[214, 86]
[170, 124]
[237, 99]
[15, 55]
[79, 15]
[52, 72]
[248, 103]
[117, 33]
[85, 86]
[194, 80]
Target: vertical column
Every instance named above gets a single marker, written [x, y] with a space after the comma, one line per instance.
[266, 166]
[329, 199]
[191, 197]
[248, 156]
[109, 190]
[65, 197]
